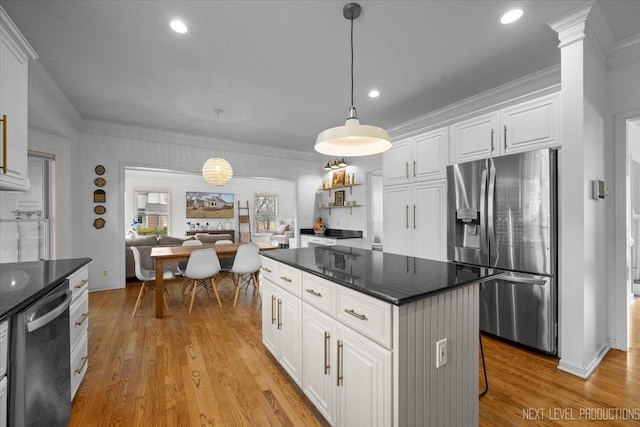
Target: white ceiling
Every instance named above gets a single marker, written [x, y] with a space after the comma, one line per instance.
[280, 69]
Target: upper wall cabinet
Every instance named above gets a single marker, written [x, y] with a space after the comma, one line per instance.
[14, 80]
[523, 127]
[420, 158]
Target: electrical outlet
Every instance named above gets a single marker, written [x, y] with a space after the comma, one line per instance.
[104, 272]
[441, 353]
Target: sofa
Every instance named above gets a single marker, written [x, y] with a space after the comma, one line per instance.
[146, 243]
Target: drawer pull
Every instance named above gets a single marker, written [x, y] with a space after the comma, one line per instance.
[354, 314]
[266, 269]
[286, 279]
[84, 362]
[84, 317]
[82, 283]
[314, 293]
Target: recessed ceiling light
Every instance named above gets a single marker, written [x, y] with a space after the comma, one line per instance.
[374, 93]
[511, 16]
[179, 26]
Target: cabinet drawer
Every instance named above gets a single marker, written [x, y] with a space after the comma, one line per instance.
[4, 347]
[269, 269]
[320, 293]
[79, 281]
[78, 318]
[290, 279]
[79, 363]
[367, 315]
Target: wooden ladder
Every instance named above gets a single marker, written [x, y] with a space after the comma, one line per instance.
[244, 223]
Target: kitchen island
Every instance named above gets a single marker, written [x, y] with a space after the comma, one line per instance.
[358, 331]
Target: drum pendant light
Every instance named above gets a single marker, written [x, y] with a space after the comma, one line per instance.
[216, 170]
[352, 139]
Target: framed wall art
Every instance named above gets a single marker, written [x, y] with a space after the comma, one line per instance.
[337, 179]
[209, 205]
[339, 198]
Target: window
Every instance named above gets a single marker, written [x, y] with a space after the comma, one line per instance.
[266, 213]
[152, 211]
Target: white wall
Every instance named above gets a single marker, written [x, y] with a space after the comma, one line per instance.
[243, 190]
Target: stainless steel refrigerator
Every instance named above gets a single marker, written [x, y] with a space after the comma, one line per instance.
[502, 214]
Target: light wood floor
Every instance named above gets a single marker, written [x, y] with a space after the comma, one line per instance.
[210, 368]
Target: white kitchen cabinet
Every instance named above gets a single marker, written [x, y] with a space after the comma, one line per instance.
[281, 328]
[14, 81]
[78, 326]
[318, 360]
[530, 125]
[419, 158]
[364, 381]
[415, 220]
[3, 402]
[523, 127]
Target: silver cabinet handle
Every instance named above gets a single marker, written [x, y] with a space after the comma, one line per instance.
[84, 362]
[84, 317]
[406, 170]
[505, 137]
[314, 293]
[414, 217]
[354, 314]
[286, 279]
[339, 378]
[414, 168]
[4, 144]
[327, 366]
[279, 314]
[273, 310]
[492, 132]
[406, 216]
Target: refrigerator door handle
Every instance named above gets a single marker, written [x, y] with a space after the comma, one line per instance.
[483, 213]
[512, 278]
[491, 212]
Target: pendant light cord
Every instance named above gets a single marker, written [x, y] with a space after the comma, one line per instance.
[352, 106]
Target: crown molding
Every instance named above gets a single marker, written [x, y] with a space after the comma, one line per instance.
[625, 52]
[599, 34]
[126, 131]
[46, 97]
[534, 85]
[571, 25]
[12, 31]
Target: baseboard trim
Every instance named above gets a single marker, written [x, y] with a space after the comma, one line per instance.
[584, 372]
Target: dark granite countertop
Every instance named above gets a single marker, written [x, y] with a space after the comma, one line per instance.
[334, 233]
[21, 283]
[389, 277]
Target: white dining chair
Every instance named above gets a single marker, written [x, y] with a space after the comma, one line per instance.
[147, 277]
[246, 266]
[182, 265]
[227, 262]
[202, 268]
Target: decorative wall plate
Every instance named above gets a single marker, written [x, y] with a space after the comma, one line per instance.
[100, 210]
[99, 196]
[100, 182]
[98, 223]
[99, 169]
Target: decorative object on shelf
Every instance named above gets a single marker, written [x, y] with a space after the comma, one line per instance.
[99, 170]
[100, 210]
[209, 205]
[99, 223]
[338, 199]
[352, 139]
[318, 227]
[99, 196]
[337, 178]
[216, 170]
[100, 182]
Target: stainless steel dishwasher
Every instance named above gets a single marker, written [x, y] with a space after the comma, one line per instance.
[40, 383]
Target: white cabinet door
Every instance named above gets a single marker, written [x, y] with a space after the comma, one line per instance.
[269, 316]
[4, 347]
[304, 241]
[3, 402]
[364, 381]
[395, 163]
[318, 356]
[396, 213]
[530, 126]
[14, 106]
[475, 138]
[429, 220]
[430, 155]
[290, 334]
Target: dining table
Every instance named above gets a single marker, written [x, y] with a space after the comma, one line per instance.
[164, 254]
